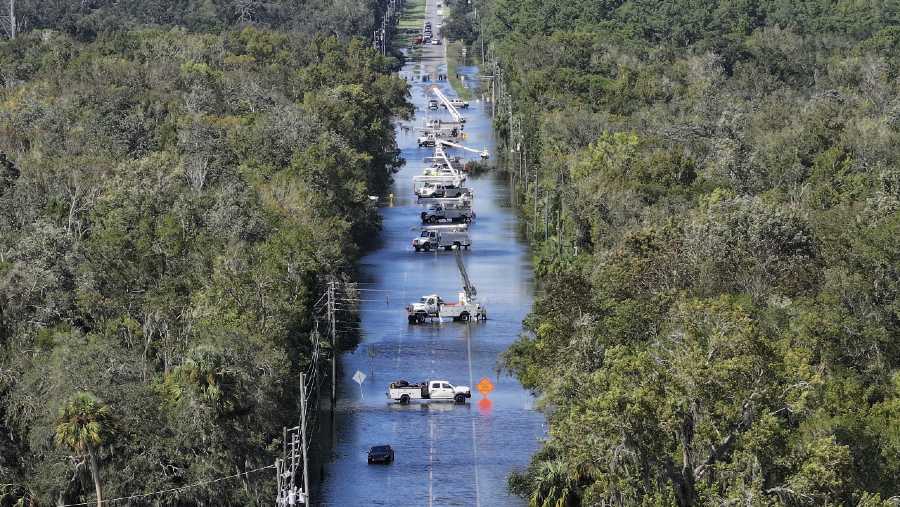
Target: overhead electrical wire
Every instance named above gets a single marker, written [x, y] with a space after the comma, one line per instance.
[170, 490]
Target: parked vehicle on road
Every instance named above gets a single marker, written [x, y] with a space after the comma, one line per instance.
[447, 237]
[463, 201]
[444, 213]
[459, 103]
[426, 141]
[433, 390]
[433, 307]
[440, 190]
[438, 175]
[381, 454]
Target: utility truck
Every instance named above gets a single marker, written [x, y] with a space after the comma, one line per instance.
[440, 190]
[432, 390]
[447, 237]
[463, 201]
[433, 307]
[426, 141]
[438, 175]
[446, 213]
[448, 104]
[457, 103]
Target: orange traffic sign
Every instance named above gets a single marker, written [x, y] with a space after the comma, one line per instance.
[485, 386]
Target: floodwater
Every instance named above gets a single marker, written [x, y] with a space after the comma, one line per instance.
[446, 454]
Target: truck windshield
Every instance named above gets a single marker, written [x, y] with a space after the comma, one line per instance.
[425, 234]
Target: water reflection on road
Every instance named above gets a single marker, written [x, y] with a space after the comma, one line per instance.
[445, 454]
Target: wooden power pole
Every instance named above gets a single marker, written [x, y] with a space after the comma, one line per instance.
[334, 350]
[12, 19]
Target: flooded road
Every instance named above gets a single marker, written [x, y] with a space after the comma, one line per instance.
[446, 454]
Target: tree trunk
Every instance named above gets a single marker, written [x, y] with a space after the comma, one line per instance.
[683, 479]
[95, 474]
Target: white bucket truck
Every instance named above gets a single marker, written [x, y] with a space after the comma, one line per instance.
[447, 237]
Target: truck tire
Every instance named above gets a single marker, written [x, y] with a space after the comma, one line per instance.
[447, 247]
[420, 318]
[459, 398]
[424, 216]
[464, 316]
[426, 247]
[457, 245]
[418, 248]
[404, 399]
[412, 319]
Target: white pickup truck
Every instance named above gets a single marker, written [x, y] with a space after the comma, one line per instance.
[433, 390]
[433, 307]
[440, 213]
[447, 237]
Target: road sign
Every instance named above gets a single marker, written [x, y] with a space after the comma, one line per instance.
[359, 377]
[485, 386]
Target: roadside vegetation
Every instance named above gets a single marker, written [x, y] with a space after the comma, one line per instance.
[712, 192]
[172, 201]
[455, 60]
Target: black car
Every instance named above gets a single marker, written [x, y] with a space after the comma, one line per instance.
[381, 454]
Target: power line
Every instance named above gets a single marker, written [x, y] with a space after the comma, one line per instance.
[172, 490]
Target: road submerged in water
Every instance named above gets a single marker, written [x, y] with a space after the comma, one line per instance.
[446, 454]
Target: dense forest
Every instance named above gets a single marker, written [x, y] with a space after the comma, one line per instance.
[85, 19]
[172, 201]
[713, 194]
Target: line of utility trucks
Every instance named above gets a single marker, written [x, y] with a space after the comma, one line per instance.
[446, 218]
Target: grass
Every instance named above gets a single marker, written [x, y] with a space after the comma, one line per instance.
[454, 60]
[411, 23]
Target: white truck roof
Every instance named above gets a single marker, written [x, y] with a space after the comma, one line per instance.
[446, 227]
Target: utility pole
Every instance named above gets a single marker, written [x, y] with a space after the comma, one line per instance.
[331, 318]
[303, 438]
[293, 456]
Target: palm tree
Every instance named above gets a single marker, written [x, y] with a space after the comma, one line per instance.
[82, 424]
